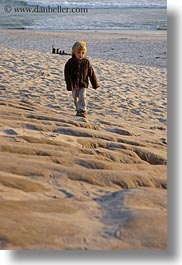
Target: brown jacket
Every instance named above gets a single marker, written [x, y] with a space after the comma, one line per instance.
[77, 72]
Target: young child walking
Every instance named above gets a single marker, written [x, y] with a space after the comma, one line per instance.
[77, 72]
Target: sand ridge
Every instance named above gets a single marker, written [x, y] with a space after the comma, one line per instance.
[73, 183]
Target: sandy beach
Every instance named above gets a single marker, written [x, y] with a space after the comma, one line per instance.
[72, 183]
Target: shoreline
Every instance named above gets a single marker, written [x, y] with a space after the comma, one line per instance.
[130, 33]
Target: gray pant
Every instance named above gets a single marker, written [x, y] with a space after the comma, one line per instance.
[79, 96]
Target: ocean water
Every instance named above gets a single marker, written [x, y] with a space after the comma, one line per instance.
[102, 3]
[84, 15]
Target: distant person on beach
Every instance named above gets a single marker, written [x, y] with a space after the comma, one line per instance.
[77, 71]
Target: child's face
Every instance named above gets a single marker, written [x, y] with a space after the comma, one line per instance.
[79, 54]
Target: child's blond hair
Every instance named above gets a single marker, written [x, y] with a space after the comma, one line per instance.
[79, 46]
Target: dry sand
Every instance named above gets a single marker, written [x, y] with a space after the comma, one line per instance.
[134, 47]
[73, 183]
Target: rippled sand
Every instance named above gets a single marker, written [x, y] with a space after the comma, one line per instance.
[73, 183]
